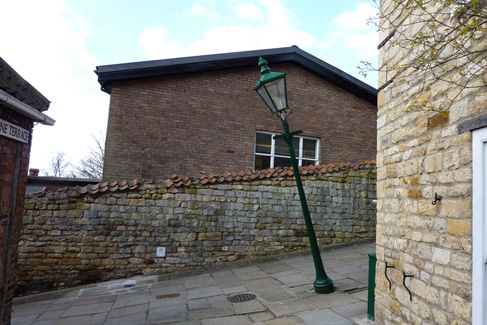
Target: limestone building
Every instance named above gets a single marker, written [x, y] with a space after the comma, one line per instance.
[431, 253]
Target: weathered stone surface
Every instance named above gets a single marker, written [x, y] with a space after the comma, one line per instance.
[420, 154]
[113, 235]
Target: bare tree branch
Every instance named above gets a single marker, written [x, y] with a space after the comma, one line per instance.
[92, 165]
[443, 40]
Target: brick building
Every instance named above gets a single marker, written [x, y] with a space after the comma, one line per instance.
[20, 106]
[431, 255]
[194, 114]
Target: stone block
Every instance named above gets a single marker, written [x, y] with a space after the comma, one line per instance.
[441, 256]
[459, 227]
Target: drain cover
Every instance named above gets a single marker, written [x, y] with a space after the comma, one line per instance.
[242, 297]
[170, 295]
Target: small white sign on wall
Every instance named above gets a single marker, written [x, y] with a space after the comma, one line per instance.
[161, 251]
[15, 132]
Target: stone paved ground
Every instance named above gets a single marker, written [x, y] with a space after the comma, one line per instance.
[283, 287]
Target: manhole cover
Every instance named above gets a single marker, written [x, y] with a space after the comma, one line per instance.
[242, 297]
[170, 295]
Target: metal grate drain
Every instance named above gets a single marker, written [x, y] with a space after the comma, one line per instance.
[170, 295]
[242, 297]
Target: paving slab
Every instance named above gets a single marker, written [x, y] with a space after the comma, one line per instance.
[227, 279]
[219, 301]
[201, 281]
[96, 319]
[204, 292]
[295, 280]
[22, 320]
[275, 267]
[88, 309]
[352, 310]
[167, 302]
[348, 284]
[51, 315]
[234, 290]
[289, 307]
[299, 262]
[44, 322]
[198, 304]
[248, 307]
[211, 313]
[167, 314]
[127, 311]
[262, 283]
[132, 300]
[284, 321]
[362, 295]
[134, 319]
[261, 317]
[272, 294]
[94, 300]
[250, 273]
[362, 277]
[347, 269]
[332, 300]
[232, 320]
[318, 317]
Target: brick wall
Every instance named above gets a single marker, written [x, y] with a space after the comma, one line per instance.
[14, 160]
[69, 239]
[421, 153]
[207, 121]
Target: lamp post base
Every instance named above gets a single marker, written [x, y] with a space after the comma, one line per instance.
[324, 286]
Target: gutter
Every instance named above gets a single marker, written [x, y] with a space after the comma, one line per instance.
[25, 109]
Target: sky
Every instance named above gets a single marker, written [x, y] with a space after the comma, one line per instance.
[56, 45]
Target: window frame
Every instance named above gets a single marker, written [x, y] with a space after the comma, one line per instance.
[299, 152]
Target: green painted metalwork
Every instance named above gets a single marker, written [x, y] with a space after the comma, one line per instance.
[268, 87]
[322, 283]
[371, 292]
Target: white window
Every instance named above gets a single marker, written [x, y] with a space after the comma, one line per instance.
[270, 152]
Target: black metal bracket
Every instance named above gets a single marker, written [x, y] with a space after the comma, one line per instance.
[404, 276]
[385, 272]
[437, 199]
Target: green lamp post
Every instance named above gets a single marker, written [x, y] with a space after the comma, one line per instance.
[272, 89]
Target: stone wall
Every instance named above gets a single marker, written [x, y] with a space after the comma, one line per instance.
[420, 154]
[69, 238]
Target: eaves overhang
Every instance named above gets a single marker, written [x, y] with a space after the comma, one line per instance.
[107, 74]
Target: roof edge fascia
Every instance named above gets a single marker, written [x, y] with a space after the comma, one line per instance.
[134, 70]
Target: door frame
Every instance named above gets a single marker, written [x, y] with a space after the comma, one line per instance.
[479, 226]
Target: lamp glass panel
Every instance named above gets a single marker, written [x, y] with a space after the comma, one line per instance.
[263, 143]
[277, 90]
[265, 97]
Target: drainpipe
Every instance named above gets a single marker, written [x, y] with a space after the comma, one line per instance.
[25, 109]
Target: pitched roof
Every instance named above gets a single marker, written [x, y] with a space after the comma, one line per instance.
[13, 84]
[133, 70]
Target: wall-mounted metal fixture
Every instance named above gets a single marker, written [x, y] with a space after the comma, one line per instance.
[404, 276]
[385, 272]
[437, 199]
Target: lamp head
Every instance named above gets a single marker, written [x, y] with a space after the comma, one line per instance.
[272, 89]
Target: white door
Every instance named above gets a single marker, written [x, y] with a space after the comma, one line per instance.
[479, 225]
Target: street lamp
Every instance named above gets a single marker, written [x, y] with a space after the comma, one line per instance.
[272, 89]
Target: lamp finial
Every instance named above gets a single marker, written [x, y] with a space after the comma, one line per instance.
[263, 66]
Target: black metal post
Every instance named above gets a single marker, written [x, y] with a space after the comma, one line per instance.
[322, 284]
